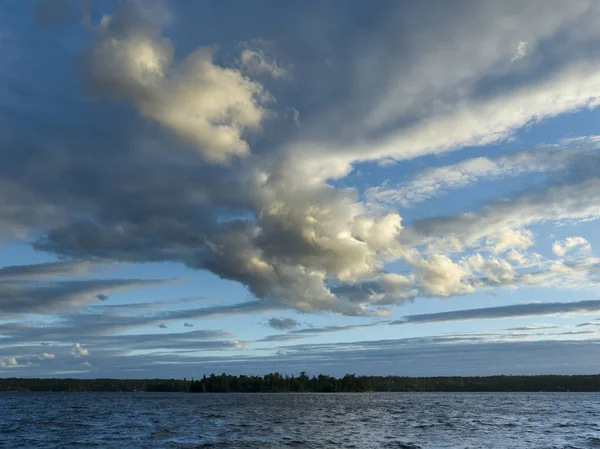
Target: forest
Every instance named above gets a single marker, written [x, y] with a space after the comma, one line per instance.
[303, 383]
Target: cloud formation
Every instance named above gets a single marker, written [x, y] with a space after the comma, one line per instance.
[512, 311]
[560, 248]
[175, 140]
[433, 182]
[48, 269]
[19, 297]
[283, 323]
[79, 351]
[207, 105]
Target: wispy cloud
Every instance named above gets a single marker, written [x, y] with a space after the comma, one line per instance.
[512, 311]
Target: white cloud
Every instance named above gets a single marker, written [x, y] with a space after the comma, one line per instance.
[561, 247]
[8, 362]
[441, 276]
[49, 356]
[493, 268]
[446, 61]
[491, 119]
[79, 351]
[209, 106]
[572, 201]
[521, 50]
[511, 239]
[434, 182]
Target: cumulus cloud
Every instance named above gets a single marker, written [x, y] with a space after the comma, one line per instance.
[8, 362]
[286, 221]
[48, 356]
[79, 351]
[283, 323]
[440, 276]
[561, 247]
[207, 105]
[511, 239]
[493, 268]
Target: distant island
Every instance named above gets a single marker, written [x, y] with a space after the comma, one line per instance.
[277, 383]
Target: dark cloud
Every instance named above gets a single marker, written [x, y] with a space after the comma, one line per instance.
[47, 269]
[107, 320]
[34, 297]
[266, 203]
[314, 331]
[512, 311]
[152, 196]
[282, 323]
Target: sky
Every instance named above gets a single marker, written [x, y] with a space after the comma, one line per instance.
[391, 187]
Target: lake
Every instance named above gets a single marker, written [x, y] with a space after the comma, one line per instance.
[237, 420]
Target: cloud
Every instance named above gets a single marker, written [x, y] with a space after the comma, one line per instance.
[205, 104]
[35, 297]
[47, 269]
[470, 42]
[535, 327]
[520, 51]
[312, 332]
[560, 248]
[93, 325]
[512, 311]
[8, 362]
[257, 62]
[283, 323]
[162, 326]
[286, 221]
[435, 182]
[575, 201]
[188, 325]
[48, 356]
[511, 239]
[79, 351]
[441, 276]
[484, 121]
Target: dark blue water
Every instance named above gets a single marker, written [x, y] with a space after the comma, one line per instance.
[379, 420]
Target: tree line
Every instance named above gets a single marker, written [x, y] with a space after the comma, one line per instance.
[278, 383]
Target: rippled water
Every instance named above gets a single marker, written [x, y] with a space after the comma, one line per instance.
[379, 420]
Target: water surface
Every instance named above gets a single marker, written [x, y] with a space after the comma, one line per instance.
[237, 420]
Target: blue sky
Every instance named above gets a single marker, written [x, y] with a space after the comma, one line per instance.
[330, 187]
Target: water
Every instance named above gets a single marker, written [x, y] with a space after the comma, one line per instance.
[378, 420]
